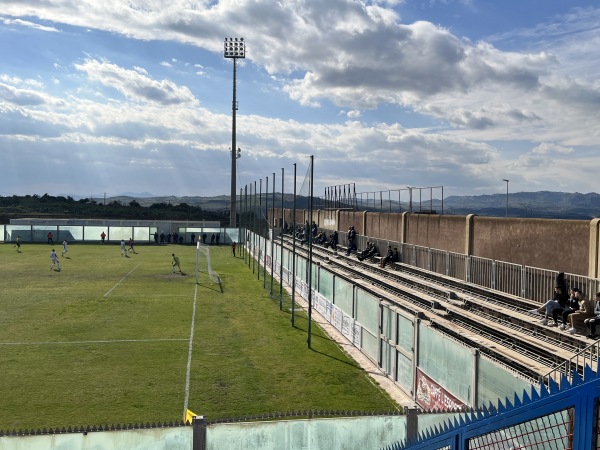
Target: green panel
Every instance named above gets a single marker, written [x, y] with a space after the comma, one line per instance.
[406, 333]
[142, 234]
[174, 438]
[388, 358]
[446, 362]
[370, 345]
[404, 373]
[118, 233]
[356, 433]
[367, 311]
[92, 233]
[301, 268]
[495, 382]
[326, 284]
[70, 233]
[388, 324]
[343, 295]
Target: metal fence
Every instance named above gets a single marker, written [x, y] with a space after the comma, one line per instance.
[553, 418]
[532, 283]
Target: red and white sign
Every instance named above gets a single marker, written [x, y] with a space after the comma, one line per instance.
[432, 397]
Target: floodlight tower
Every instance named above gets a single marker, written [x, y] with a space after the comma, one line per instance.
[234, 48]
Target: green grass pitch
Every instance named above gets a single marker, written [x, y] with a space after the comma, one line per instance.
[106, 341]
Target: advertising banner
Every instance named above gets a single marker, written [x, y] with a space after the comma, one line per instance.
[432, 397]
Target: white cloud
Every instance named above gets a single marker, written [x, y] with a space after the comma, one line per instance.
[356, 55]
[28, 24]
[546, 148]
[134, 84]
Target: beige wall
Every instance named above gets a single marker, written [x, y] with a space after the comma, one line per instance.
[561, 245]
[444, 232]
[571, 246]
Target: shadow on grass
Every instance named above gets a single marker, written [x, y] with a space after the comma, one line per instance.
[209, 287]
[356, 366]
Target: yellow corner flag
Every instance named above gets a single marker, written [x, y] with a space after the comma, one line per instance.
[189, 416]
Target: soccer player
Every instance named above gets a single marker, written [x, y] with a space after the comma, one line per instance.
[123, 250]
[65, 247]
[131, 244]
[54, 259]
[175, 263]
[102, 237]
[18, 244]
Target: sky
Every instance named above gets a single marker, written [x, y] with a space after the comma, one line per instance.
[111, 97]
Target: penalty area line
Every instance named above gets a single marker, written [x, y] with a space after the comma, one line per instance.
[121, 280]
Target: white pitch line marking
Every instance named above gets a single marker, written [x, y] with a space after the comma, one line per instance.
[121, 280]
[111, 341]
[189, 362]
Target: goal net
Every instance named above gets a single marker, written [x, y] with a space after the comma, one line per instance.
[203, 264]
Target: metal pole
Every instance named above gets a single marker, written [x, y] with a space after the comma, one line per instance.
[504, 179]
[281, 250]
[294, 248]
[272, 234]
[267, 232]
[232, 211]
[243, 238]
[256, 232]
[310, 244]
[254, 253]
[442, 199]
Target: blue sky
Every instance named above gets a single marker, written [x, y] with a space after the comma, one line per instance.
[114, 96]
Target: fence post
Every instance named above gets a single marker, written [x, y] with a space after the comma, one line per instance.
[468, 268]
[412, 424]
[494, 273]
[199, 433]
[447, 263]
[429, 258]
[524, 281]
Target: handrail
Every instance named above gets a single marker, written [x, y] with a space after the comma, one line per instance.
[587, 356]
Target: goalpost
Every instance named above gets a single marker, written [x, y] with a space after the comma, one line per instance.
[203, 264]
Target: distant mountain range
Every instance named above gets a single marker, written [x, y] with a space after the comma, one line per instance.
[543, 204]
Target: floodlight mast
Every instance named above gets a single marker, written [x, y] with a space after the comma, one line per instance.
[234, 48]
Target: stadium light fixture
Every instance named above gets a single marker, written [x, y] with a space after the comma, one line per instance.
[234, 48]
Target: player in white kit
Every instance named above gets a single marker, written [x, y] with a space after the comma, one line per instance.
[54, 259]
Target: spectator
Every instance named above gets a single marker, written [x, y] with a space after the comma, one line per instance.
[370, 250]
[351, 240]
[586, 311]
[387, 258]
[593, 321]
[571, 306]
[396, 257]
[193, 238]
[558, 301]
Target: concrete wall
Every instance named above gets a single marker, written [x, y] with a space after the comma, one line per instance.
[561, 245]
[571, 246]
[436, 231]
